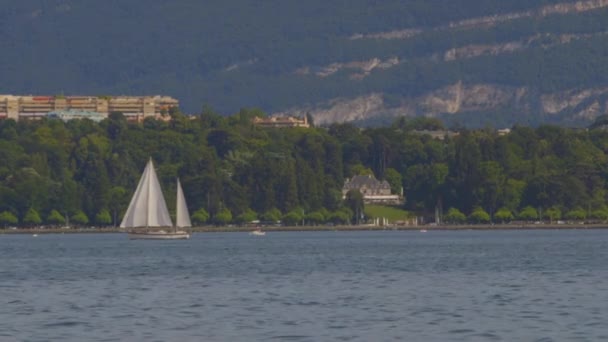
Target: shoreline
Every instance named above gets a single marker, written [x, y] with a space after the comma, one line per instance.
[241, 229]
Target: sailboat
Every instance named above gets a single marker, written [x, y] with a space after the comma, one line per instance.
[147, 216]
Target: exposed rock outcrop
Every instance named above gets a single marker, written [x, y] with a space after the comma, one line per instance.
[458, 98]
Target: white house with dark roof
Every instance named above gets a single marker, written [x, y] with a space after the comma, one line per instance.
[373, 190]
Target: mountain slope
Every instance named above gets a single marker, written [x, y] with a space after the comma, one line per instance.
[472, 62]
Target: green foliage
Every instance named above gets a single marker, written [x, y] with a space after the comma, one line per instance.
[81, 166]
[32, 217]
[393, 177]
[273, 215]
[8, 218]
[528, 214]
[55, 218]
[80, 218]
[340, 217]
[513, 192]
[503, 215]
[345, 211]
[576, 214]
[354, 201]
[200, 216]
[118, 202]
[600, 214]
[553, 214]
[315, 217]
[247, 216]
[479, 216]
[455, 216]
[103, 218]
[293, 217]
[223, 217]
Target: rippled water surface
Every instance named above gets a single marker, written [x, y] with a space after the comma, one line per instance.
[308, 286]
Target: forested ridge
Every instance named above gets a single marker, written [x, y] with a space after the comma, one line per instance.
[233, 171]
[237, 53]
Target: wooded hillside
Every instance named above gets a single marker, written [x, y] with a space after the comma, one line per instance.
[233, 171]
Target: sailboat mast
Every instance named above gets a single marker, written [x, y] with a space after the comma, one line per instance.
[177, 204]
[149, 201]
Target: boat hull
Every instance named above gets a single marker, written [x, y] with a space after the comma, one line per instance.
[159, 235]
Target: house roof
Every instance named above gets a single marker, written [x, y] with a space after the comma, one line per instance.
[365, 181]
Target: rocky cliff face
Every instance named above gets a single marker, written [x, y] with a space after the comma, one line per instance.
[582, 105]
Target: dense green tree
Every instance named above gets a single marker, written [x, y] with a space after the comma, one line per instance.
[293, 218]
[223, 217]
[354, 201]
[80, 218]
[512, 193]
[118, 202]
[393, 177]
[84, 166]
[528, 214]
[600, 214]
[553, 214]
[55, 218]
[503, 215]
[455, 216]
[200, 216]
[273, 215]
[491, 181]
[32, 217]
[247, 216]
[103, 218]
[576, 214]
[479, 216]
[315, 218]
[8, 218]
[340, 217]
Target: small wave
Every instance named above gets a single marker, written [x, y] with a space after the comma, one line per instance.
[337, 327]
[64, 324]
[290, 337]
[461, 331]
[488, 336]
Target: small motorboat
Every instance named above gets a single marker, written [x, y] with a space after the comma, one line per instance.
[257, 232]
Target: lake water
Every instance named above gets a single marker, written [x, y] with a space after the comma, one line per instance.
[307, 286]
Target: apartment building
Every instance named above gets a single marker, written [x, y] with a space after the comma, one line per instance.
[135, 108]
[281, 121]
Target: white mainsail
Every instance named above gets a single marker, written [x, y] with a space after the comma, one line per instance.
[147, 207]
[183, 217]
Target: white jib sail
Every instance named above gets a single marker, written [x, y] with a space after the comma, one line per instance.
[147, 207]
[183, 217]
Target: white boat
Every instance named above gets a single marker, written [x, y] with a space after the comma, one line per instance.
[257, 232]
[148, 218]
